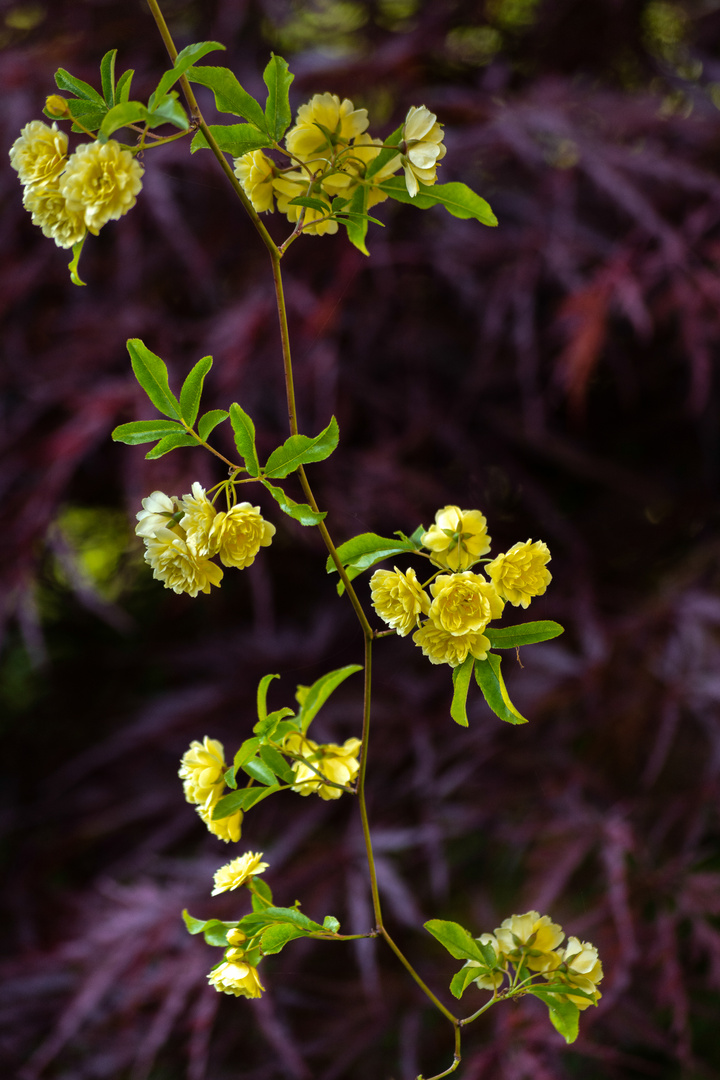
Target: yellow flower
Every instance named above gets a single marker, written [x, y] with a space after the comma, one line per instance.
[234, 977]
[235, 936]
[443, 648]
[227, 828]
[533, 937]
[290, 186]
[101, 180]
[343, 121]
[202, 769]
[176, 566]
[488, 978]
[464, 603]
[352, 167]
[50, 213]
[422, 136]
[336, 763]
[520, 573]
[458, 538]
[157, 510]
[236, 873]
[580, 968]
[39, 155]
[197, 521]
[238, 535]
[255, 173]
[399, 599]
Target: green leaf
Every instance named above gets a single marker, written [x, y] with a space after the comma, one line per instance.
[277, 78]
[143, 431]
[265, 729]
[191, 391]
[168, 111]
[244, 431]
[386, 154]
[235, 139]
[122, 90]
[277, 936]
[301, 450]
[292, 915]
[242, 799]
[246, 751]
[456, 939]
[210, 421]
[261, 887]
[71, 85]
[229, 777]
[215, 930]
[364, 551]
[170, 442]
[194, 926]
[128, 112]
[331, 923]
[262, 691]
[458, 199]
[107, 76]
[312, 204]
[259, 771]
[462, 980]
[489, 678]
[275, 761]
[184, 60]
[73, 264]
[88, 114]
[320, 691]
[299, 511]
[564, 1015]
[151, 373]
[357, 226]
[511, 637]
[229, 95]
[461, 683]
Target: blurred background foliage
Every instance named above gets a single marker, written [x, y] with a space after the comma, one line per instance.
[559, 372]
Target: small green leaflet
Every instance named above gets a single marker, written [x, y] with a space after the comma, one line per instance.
[242, 799]
[489, 678]
[462, 979]
[365, 550]
[259, 771]
[277, 763]
[183, 62]
[391, 148]
[458, 199]
[122, 90]
[320, 691]
[192, 390]
[107, 76]
[214, 930]
[300, 450]
[277, 78]
[67, 82]
[152, 374]
[511, 637]
[73, 264]
[210, 421]
[459, 942]
[244, 431]
[262, 691]
[357, 225]
[143, 431]
[170, 442]
[461, 683]
[229, 95]
[235, 139]
[275, 937]
[564, 1015]
[299, 511]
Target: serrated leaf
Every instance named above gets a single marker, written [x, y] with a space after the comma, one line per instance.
[458, 941]
[277, 936]
[299, 511]
[168, 443]
[331, 923]
[489, 678]
[122, 90]
[357, 226]
[242, 799]
[184, 60]
[235, 139]
[262, 692]
[208, 422]
[386, 155]
[511, 637]
[107, 76]
[244, 431]
[144, 431]
[259, 771]
[128, 112]
[191, 391]
[275, 761]
[462, 980]
[302, 450]
[461, 683]
[320, 691]
[168, 111]
[230, 97]
[87, 113]
[458, 199]
[277, 77]
[66, 81]
[152, 374]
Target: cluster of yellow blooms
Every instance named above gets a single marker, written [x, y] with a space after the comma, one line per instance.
[71, 195]
[462, 602]
[339, 764]
[202, 771]
[182, 536]
[531, 943]
[234, 974]
[331, 151]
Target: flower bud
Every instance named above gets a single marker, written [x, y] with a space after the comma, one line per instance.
[56, 105]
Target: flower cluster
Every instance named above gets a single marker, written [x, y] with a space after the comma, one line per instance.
[331, 152]
[316, 764]
[71, 195]
[202, 771]
[532, 944]
[182, 535]
[461, 602]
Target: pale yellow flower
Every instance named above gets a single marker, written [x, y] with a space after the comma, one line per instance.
[50, 213]
[176, 566]
[399, 599]
[580, 968]
[352, 167]
[342, 120]
[226, 828]
[464, 603]
[157, 511]
[235, 936]
[238, 535]
[39, 155]
[336, 763]
[458, 538]
[440, 647]
[255, 172]
[234, 977]
[202, 769]
[520, 573]
[101, 180]
[487, 978]
[532, 936]
[236, 873]
[290, 186]
[422, 136]
[197, 521]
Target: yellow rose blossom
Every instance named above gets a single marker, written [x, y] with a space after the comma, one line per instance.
[332, 762]
[197, 521]
[157, 511]
[308, 141]
[464, 603]
[443, 648]
[235, 977]
[458, 538]
[580, 968]
[202, 769]
[238, 535]
[399, 599]
[235, 936]
[255, 172]
[176, 566]
[39, 155]
[422, 136]
[520, 573]
[101, 180]
[226, 828]
[353, 164]
[533, 937]
[50, 213]
[236, 873]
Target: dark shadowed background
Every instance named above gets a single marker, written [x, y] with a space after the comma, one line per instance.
[558, 372]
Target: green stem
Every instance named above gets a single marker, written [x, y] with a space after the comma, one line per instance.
[367, 691]
[455, 1062]
[423, 986]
